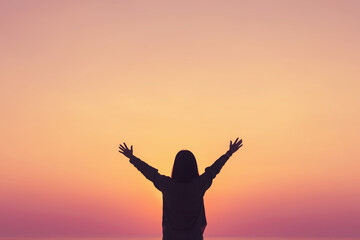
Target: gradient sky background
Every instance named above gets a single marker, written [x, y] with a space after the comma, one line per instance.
[80, 77]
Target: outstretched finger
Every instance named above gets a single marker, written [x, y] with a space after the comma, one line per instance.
[230, 143]
[236, 141]
[121, 152]
[125, 145]
[131, 148]
[122, 148]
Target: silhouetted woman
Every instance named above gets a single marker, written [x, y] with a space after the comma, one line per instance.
[183, 203]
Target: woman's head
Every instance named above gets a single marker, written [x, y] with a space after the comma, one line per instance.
[185, 167]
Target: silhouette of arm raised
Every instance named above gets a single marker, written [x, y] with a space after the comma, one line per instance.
[211, 172]
[148, 171]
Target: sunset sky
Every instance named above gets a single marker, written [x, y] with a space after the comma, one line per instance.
[77, 78]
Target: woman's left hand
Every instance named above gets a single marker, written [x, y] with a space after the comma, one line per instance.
[126, 151]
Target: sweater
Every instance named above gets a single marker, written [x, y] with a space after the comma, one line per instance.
[183, 204]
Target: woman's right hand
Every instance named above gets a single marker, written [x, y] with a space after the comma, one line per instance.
[235, 146]
[126, 151]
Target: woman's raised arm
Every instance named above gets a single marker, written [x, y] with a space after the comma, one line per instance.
[148, 171]
[214, 169]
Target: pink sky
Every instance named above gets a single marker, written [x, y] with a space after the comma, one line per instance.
[79, 77]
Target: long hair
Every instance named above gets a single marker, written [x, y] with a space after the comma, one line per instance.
[185, 167]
